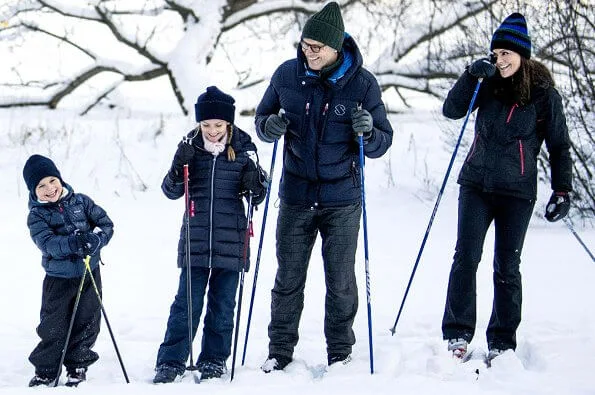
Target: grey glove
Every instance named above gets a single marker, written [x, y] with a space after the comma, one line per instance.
[275, 126]
[482, 68]
[362, 123]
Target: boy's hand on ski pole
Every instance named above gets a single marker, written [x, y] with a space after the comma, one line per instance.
[89, 242]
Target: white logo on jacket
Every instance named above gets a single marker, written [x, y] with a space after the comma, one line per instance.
[340, 109]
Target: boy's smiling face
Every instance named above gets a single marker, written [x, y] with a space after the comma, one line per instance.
[49, 189]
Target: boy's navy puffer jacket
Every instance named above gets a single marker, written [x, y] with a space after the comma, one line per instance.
[53, 227]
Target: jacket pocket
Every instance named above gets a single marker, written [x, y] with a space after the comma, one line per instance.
[519, 124]
[521, 157]
[304, 117]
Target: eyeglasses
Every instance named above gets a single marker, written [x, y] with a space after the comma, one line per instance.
[314, 48]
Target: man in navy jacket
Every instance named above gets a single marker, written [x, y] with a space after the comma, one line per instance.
[320, 101]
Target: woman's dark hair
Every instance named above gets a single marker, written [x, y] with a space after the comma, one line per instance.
[517, 89]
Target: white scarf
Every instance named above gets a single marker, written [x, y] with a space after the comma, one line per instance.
[214, 148]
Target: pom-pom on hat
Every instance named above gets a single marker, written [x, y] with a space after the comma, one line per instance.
[214, 104]
[512, 34]
[37, 168]
[326, 26]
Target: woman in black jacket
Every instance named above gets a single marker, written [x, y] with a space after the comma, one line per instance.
[221, 173]
[517, 109]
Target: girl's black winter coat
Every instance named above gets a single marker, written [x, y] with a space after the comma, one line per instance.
[218, 227]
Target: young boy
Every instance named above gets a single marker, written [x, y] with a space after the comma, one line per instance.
[67, 227]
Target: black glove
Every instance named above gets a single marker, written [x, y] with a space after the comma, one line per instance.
[89, 242]
[482, 68]
[275, 126]
[558, 206]
[184, 154]
[362, 123]
[256, 180]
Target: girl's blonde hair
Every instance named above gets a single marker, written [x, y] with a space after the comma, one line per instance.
[231, 154]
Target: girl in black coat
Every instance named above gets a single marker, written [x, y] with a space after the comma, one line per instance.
[221, 174]
[518, 109]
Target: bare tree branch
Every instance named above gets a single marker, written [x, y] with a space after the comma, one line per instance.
[100, 97]
[59, 38]
[455, 23]
[186, 14]
[104, 17]
[82, 14]
[250, 10]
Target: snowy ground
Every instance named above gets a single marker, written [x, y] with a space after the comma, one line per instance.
[113, 159]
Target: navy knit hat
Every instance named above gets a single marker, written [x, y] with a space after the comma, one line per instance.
[214, 104]
[37, 168]
[512, 34]
[326, 26]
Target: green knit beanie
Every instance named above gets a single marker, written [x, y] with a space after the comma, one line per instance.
[326, 26]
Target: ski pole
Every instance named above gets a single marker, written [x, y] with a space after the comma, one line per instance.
[423, 243]
[367, 262]
[70, 325]
[109, 327]
[581, 242]
[257, 264]
[241, 291]
[189, 212]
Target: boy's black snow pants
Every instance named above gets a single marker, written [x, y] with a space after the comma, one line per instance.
[58, 297]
